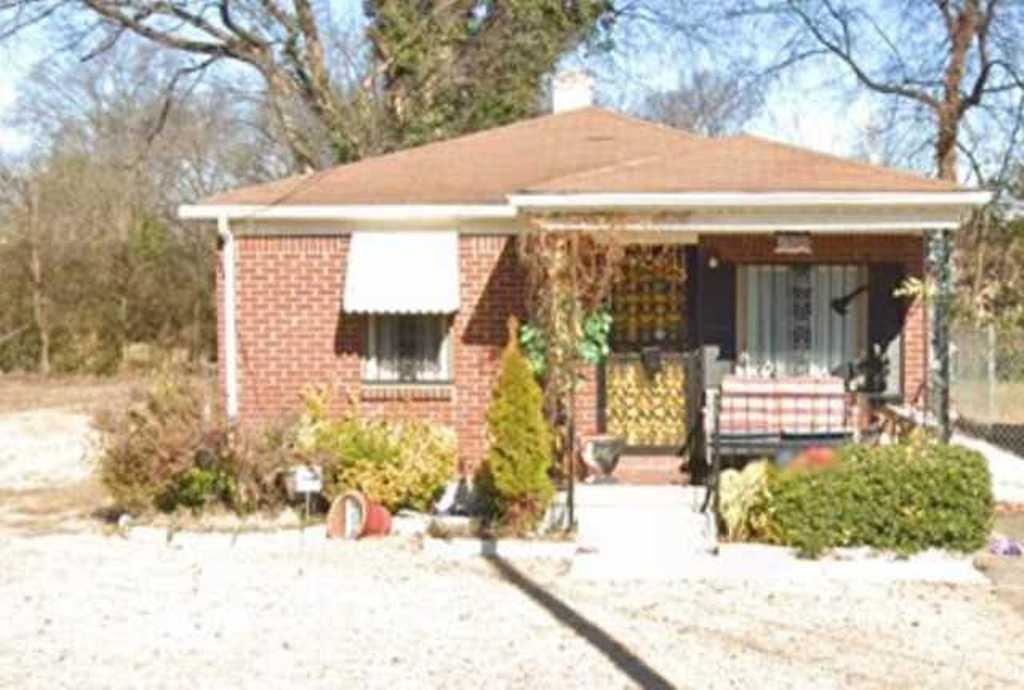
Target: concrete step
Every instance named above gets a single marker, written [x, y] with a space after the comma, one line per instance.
[651, 469]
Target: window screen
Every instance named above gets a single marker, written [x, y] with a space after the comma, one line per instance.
[408, 348]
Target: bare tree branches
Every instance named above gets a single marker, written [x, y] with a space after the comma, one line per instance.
[707, 102]
[283, 46]
[89, 236]
[949, 58]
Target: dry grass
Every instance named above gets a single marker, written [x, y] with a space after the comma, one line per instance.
[971, 399]
[86, 394]
[65, 508]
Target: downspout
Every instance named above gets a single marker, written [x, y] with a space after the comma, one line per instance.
[227, 257]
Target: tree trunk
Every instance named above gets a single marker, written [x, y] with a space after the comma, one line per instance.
[39, 310]
[963, 31]
[945, 142]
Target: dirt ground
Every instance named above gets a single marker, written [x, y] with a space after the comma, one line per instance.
[47, 451]
[1007, 574]
[84, 394]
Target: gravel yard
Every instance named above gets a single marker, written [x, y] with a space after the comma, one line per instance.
[288, 609]
[283, 609]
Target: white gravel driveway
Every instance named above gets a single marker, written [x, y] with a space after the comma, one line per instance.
[44, 448]
[281, 611]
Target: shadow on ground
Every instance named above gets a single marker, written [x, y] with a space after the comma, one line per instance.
[629, 663]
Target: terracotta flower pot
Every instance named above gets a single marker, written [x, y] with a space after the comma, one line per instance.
[351, 516]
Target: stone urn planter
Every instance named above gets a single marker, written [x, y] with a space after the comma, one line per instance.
[601, 454]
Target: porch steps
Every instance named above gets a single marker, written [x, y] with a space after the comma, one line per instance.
[629, 532]
[651, 470]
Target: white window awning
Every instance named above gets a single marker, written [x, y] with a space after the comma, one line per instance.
[402, 273]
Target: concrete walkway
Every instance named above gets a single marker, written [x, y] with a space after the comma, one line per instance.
[639, 532]
[1007, 468]
[628, 532]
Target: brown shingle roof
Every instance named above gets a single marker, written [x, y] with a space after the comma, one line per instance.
[477, 168]
[587, 150]
[742, 164]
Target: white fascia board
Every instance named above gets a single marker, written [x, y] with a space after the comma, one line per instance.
[867, 227]
[707, 226]
[748, 199]
[392, 212]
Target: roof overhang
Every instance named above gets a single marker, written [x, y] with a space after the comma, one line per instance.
[379, 212]
[618, 200]
[693, 212]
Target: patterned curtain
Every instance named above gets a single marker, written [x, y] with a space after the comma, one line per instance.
[802, 320]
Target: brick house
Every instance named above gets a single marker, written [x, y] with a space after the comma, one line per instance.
[390, 279]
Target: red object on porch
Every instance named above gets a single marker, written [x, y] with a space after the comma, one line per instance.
[815, 457]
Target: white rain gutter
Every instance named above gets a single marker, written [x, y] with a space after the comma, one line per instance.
[748, 199]
[373, 212]
[227, 257]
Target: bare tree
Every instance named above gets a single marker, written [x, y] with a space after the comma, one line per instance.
[946, 57]
[281, 43]
[89, 239]
[706, 102]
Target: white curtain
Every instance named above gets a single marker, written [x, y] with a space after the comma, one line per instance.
[802, 320]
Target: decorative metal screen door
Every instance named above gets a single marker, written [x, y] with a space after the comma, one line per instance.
[644, 377]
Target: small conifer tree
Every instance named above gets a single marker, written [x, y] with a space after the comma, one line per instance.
[521, 444]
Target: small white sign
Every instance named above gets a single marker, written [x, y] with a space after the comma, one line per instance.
[308, 479]
[793, 243]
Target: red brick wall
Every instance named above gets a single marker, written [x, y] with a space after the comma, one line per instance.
[292, 334]
[908, 250]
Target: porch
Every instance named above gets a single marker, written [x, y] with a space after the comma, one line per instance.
[772, 309]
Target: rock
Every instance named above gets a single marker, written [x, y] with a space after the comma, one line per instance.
[409, 523]
[448, 526]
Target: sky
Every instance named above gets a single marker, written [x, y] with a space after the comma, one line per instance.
[801, 113]
[17, 57]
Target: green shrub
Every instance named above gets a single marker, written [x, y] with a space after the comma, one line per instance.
[905, 497]
[515, 474]
[397, 464]
[197, 488]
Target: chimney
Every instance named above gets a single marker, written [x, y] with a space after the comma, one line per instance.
[571, 91]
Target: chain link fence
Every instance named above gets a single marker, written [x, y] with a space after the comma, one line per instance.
[987, 385]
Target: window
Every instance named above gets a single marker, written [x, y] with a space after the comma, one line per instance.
[408, 348]
[802, 320]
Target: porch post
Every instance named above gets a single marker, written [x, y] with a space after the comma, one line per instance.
[940, 256]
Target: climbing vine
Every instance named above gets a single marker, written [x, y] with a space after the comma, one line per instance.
[570, 275]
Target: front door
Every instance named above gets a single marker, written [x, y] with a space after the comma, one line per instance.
[644, 379]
